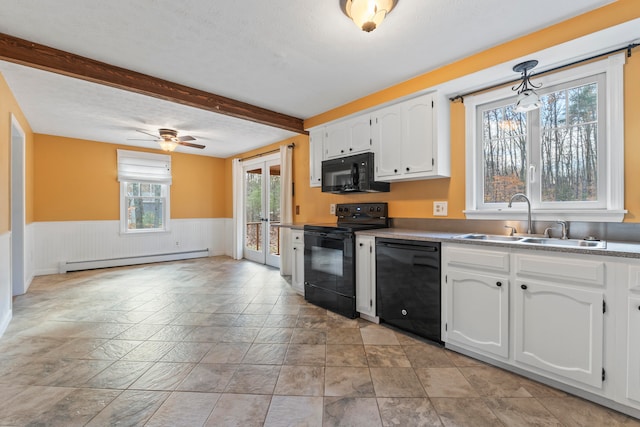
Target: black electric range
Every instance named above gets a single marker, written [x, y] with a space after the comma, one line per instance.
[329, 255]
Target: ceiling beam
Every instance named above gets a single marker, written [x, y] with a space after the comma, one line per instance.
[24, 52]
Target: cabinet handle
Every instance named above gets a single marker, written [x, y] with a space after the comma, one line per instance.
[395, 171]
[342, 151]
[295, 249]
[524, 287]
[350, 149]
[639, 307]
[498, 284]
[407, 169]
[361, 244]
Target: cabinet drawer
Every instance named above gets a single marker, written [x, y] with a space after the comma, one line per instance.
[564, 269]
[478, 258]
[634, 278]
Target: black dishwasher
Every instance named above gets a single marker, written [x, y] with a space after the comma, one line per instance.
[408, 286]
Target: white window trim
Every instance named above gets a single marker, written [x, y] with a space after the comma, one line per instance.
[613, 67]
[145, 175]
[124, 230]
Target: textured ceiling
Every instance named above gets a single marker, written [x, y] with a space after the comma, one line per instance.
[300, 58]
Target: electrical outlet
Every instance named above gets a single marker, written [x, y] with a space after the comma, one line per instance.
[332, 208]
[439, 208]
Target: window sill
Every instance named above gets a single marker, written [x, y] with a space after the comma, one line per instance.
[144, 232]
[590, 215]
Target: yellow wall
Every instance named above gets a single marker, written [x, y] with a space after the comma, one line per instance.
[415, 199]
[9, 106]
[76, 180]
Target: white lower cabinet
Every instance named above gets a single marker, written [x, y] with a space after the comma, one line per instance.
[476, 285]
[572, 319]
[478, 311]
[366, 275]
[297, 261]
[633, 349]
[559, 329]
[558, 315]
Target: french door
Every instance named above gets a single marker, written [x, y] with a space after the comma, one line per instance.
[262, 211]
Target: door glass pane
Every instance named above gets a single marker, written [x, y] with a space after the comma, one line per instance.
[504, 138]
[274, 209]
[253, 209]
[569, 120]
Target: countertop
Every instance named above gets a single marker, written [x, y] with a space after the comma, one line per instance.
[614, 249]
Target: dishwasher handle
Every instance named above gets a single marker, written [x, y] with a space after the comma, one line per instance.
[409, 247]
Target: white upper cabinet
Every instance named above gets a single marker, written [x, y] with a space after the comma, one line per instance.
[387, 128]
[316, 144]
[410, 140]
[348, 137]
[406, 141]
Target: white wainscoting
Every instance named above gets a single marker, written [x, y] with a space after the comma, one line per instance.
[29, 249]
[6, 290]
[69, 241]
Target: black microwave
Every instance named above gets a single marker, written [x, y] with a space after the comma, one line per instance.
[351, 174]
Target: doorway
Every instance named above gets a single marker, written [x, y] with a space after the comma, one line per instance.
[262, 235]
[18, 215]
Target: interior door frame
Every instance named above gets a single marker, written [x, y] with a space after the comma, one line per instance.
[18, 275]
[262, 162]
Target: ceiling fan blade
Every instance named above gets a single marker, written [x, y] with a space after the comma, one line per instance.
[147, 133]
[188, 144]
[186, 138]
[139, 139]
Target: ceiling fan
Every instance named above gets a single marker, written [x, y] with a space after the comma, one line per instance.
[169, 139]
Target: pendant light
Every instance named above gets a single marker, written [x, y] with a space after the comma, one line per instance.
[367, 14]
[527, 99]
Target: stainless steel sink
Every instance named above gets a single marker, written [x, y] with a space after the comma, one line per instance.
[536, 241]
[568, 243]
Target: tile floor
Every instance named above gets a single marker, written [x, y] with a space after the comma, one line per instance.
[217, 342]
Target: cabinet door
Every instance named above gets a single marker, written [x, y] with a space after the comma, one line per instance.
[478, 311]
[336, 140]
[365, 276]
[633, 350]
[359, 134]
[559, 329]
[387, 139]
[297, 261]
[418, 135]
[316, 138]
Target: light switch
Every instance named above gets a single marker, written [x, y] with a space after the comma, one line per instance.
[332, 208]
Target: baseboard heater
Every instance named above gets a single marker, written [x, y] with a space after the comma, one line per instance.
[66, 266]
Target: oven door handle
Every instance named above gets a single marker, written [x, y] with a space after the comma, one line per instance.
[333, 235]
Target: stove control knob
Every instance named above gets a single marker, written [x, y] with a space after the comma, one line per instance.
[379, 209]
[404, 312]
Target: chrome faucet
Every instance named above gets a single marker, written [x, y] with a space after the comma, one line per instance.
[564, 229]
[528, 208]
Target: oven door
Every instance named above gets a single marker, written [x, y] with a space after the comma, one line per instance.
[329, 270]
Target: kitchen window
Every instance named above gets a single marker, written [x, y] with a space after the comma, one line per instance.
[567, 156]
[144, 191]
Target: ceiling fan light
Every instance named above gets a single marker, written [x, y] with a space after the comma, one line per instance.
[167, 144]
[527, 100]
[368, 14]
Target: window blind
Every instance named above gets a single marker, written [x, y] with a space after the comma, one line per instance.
[144, 167]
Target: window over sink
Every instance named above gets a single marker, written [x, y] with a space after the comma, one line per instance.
[567, 156]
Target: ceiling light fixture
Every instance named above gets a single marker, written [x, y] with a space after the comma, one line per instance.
[167, 144]
[528, 99]
[367, 14]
